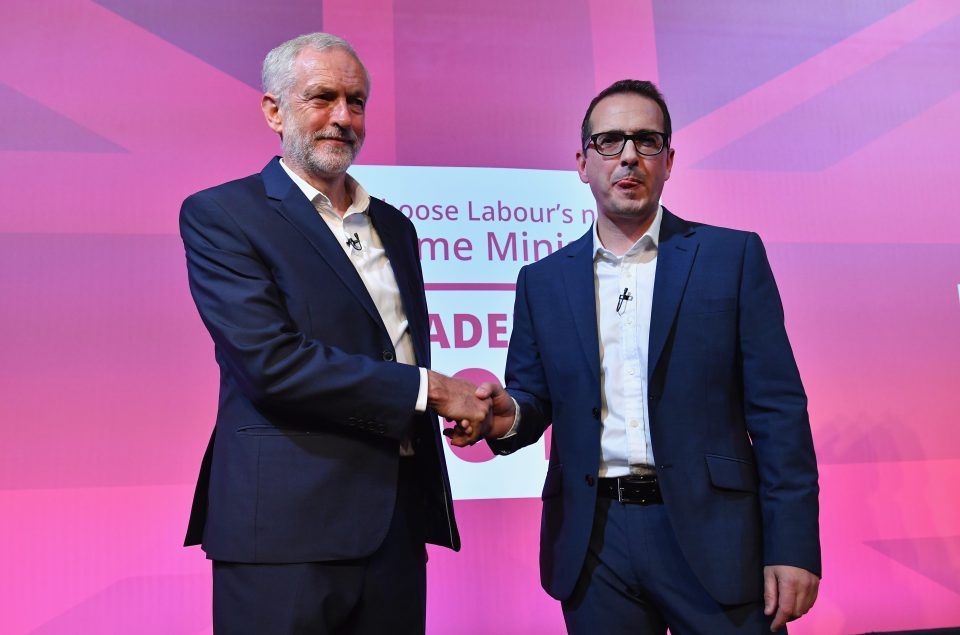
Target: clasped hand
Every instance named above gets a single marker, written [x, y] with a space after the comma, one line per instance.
[486, 411]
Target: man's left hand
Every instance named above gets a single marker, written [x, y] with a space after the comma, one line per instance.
[789, 592]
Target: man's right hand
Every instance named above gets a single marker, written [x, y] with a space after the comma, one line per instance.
[503, 413]
[457, 400]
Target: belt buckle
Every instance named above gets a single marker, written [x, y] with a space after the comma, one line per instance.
[641, 499]
[620, 487]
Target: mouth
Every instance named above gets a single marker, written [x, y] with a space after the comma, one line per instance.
[337, 140]
[628, 183]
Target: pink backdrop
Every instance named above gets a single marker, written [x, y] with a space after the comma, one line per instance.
[831, 128]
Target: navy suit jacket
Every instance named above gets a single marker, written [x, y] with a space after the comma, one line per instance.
[303, 462]
[728, 415]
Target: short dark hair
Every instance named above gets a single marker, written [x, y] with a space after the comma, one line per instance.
[637, 87]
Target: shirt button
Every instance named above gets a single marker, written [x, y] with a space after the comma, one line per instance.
[629, 320]
[388, 356]
[630, 371]
[634, 423]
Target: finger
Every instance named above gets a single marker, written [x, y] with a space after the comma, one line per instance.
[779, 620]
[787, 590]
[483, 391]
[455, 431]
[806, 596]
[769, 592]
[459, 442]
[487, 424]
[786, 602]
[456, 437]
[812, 597]
[796, 609]
[471, 431]
[482, 410]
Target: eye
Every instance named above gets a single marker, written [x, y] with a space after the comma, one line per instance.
[609, 140]
[322, 97]
[648, 140]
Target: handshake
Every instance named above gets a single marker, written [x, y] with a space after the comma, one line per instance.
[477, 411]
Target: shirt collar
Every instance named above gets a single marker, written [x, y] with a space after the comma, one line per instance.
[653, 233]
[359, 196]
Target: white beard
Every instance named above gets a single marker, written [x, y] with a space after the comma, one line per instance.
[324, 159]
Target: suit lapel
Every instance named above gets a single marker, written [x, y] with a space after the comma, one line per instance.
[299, 212]
[407, 274]
[677, 250]
[580, 291]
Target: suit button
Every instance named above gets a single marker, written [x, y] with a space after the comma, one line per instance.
[388, 356]
[589, 480]
[596, 413]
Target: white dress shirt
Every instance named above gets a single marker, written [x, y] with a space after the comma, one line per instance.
[623, 326]
[624, 296]
[371, 263]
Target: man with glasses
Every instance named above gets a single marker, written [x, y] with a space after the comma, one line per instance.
[682, 485]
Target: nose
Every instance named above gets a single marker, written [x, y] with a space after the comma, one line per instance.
[340, 113]
[629, 154]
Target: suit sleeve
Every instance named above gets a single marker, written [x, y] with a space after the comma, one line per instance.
[274, 365]
[525, 378]
[775, 409]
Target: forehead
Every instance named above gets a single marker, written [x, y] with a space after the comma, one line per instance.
[332, 67]
[627, 112]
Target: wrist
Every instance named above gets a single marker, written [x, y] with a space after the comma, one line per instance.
[436, 387]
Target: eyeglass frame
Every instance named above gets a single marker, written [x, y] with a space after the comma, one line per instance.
[628, 137]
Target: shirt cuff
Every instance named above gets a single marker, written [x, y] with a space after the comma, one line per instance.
[422, 393]
[516, 421]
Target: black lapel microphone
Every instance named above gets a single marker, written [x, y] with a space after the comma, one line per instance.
[624, 297]
[355, 242]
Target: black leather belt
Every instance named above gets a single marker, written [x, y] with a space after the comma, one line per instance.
[635, 489]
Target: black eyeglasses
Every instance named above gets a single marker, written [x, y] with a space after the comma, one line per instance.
[609, 144]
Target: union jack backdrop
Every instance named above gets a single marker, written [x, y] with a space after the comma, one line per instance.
[830, 127]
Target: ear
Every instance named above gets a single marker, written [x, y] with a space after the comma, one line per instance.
[270, 106]
[669, 162]
[582, 165]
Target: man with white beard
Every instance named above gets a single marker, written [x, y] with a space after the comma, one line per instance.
[325, 475]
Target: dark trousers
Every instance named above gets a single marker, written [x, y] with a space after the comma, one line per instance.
[636, 581]
[383, 593]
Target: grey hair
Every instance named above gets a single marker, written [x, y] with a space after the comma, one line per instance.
[278, 77]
